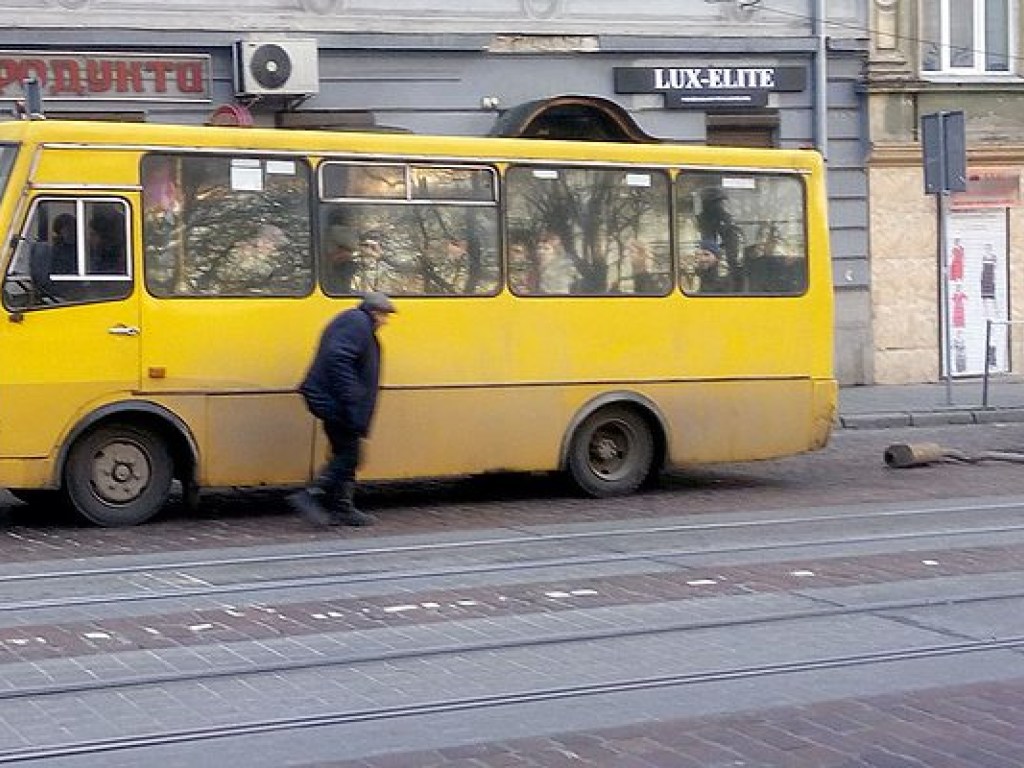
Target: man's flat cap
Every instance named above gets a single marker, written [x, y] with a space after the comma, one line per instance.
[375, 301]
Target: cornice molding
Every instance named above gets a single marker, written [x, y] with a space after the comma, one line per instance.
[878, 82]
[643, 18]
[907, 155]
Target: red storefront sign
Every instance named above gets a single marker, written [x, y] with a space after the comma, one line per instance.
[988, 188]
[107, 76]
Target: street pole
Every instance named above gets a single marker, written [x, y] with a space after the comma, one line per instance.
[821, 80]
[945, 170]
[942, 200]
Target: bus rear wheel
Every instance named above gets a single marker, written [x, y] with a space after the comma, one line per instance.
[118, 475]
[611, 452]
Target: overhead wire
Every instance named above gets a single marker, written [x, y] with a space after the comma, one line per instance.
[872, 32]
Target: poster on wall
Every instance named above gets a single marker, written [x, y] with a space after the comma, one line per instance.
[976, 289]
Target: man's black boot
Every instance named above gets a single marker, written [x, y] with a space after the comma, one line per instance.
[309, 503]
[344, 511]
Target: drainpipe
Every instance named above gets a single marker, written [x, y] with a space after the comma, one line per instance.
[821, 80]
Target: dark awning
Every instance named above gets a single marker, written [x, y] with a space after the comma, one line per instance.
[582, 118]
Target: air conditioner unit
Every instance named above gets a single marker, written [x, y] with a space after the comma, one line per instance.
[280, 67]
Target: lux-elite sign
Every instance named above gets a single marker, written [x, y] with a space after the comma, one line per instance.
[107, 76]
[700, 78]
[685, 87]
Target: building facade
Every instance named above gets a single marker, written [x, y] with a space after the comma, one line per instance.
[939, 279]
[720, 72]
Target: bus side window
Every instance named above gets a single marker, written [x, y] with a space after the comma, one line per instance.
[588, 231]
[741, 233]
[107, 240]
[103, 254]
[59, 260]
[226, 225]
[416, 230]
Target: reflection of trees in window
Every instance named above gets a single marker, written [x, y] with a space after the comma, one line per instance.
[593, 213]
[423, 229]
[428, 249]
[226, 226]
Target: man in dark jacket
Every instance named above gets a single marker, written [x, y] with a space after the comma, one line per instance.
[340, 389]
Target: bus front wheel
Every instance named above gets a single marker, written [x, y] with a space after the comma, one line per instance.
[118, 475]
[611, 452]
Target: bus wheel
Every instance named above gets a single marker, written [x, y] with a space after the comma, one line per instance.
[118, 475]
[611, 452]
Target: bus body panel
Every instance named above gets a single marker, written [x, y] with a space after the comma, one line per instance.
[438, 432]
[257, 439]
[58, 366]
[70, 166]
[18, 472]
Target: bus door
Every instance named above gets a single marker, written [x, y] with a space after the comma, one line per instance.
[70, 340]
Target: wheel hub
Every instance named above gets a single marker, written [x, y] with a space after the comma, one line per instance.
[606, 449]
[609, 450]
[121, 472]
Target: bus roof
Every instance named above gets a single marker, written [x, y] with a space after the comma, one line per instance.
[176, 136]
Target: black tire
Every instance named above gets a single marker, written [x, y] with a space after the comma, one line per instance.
[118, 475]
[611, 452]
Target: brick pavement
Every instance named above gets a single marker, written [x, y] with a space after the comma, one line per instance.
[968, 726]
[249, 620]
[850, 470]
[292, 631]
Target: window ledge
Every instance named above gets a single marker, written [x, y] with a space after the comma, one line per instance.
[956, 78]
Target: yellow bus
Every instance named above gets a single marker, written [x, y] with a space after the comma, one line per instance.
[607, 310]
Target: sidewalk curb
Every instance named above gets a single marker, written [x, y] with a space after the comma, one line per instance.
[937, 418]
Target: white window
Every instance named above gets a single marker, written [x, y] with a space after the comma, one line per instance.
[966, 37]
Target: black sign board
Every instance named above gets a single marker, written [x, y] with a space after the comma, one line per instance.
[944, 143]
[702, 87]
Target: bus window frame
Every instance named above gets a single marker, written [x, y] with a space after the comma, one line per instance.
[799, 176]
[668, 172]
[409, 165]
[83, 277]
[224, 153]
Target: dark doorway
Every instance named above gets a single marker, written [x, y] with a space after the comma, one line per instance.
[742, 130]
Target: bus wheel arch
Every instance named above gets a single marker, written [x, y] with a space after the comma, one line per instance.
[614, 444]
[117, 465]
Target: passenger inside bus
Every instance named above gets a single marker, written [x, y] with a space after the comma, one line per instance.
[706, 270]
[769, 268]
[646, 278]
[717, 226]
[55, 256]
[557, 272]
[63, 245]
[107, 249]
[341, 266]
